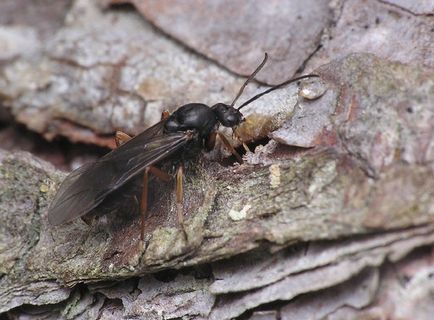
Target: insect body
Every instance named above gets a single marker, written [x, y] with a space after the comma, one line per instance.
[189, 129]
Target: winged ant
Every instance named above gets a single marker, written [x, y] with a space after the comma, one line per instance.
[177, 137]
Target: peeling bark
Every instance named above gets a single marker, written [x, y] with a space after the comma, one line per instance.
[332, 218]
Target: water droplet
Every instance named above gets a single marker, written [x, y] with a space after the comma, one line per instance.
[312, 89]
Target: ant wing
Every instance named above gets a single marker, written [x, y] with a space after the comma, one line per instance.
[85, 188]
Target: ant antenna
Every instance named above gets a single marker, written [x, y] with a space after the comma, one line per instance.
[250, 79]
[278, 86]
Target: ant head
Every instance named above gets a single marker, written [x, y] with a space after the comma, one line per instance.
[227, 115]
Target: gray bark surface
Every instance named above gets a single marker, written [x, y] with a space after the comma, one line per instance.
[333, 217]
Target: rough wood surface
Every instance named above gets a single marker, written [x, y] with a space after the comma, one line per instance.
[332, 218]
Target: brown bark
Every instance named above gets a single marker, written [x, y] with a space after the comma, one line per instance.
[327, 219]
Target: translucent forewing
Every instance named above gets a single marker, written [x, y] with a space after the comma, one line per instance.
[85, 188]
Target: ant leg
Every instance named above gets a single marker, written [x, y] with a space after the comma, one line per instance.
[144, 199]
[230, 147]
[246, 147]
[144, 204]
[235, 136]
[180, 198]
[210, 141]
[165, 114]
[121, 138]
[163, 176]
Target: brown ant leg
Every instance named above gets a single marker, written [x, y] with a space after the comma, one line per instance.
[121, 138]
[235, 136]
[144, 204]
[144, 199]
[163, 176]
[210, 141]
[180, 198]
[230, 147]
[246, 147]
[164, 115]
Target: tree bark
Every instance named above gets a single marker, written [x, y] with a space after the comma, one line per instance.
[325, 220]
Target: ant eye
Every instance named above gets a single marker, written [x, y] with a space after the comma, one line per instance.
[227, 115]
